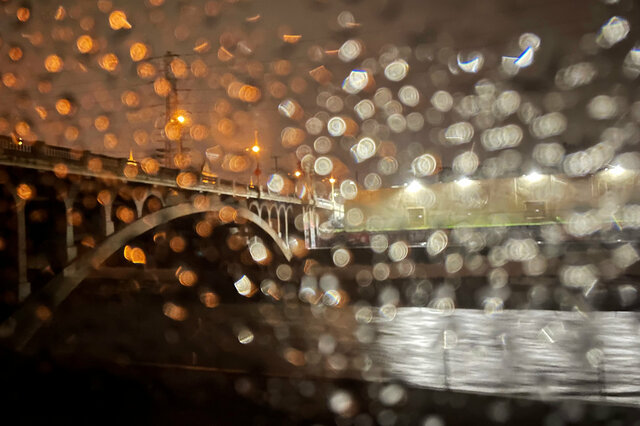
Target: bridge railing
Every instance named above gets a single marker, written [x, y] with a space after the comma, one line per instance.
[41, 155]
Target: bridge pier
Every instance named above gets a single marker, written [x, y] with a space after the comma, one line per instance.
[24, 286]
[140, 195]
[108, 225]
[72, 250]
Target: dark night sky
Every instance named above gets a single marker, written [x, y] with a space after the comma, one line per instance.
[251, 31]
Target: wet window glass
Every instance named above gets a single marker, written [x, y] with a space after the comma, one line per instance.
[320, 212]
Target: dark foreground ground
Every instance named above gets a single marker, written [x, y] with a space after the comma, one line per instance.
[40, 390]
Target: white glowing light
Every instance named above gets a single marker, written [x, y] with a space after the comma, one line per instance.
[414, 186]
[473, 65]
[525, 59]
[534, 177]
[244, 286]
[617, 171]
[464, 182]
[613, 31]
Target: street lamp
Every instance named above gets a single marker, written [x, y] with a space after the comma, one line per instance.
[256, 150]
[332, 181]
[414, 186]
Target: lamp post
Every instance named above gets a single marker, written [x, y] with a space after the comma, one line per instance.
[332, 180]
[256, 150]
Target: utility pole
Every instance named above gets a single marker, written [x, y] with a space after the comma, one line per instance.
[171, 103]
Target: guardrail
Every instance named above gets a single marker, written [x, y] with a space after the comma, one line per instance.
[45, 157]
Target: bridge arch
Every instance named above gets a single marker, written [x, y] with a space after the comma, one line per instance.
[26, 321]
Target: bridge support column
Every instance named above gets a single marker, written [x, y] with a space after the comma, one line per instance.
[108, 225]
[72, 250]
[24, 286]
[140, 195]
[309, 220]
[286, 227]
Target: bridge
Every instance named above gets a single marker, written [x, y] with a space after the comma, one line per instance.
[132, 199]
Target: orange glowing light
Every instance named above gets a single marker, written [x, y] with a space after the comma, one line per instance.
[130, 99]
[146, 70]
[154, 204]
[138, 51]
[118, 20]
[224, 55]
[138, 256]
[209, 299]
[182, 161]
[130, 170]
[84, 43]
[291, 38]
[150, 166]
[226, 126]
[162, 87]
[249, 93]
[173, 131]
[202, 45]
[227, 214]
[332, 180]
[177, 244]
[9, 79]
[104, 197]
[188, 278]
[24, 191]
[321, 74]
[204, 228]
[186, 180]
[125, 214]
[15, 53]
[101, 123]
[23, 129]
[60, 14]
[63, 106]
[53, 63]
[23, 14]
[297, 173]
[108, 62]
[110, 141]
[179, 68]
[75, 218]
[175, 312]
[199, 132]
[159, 237]
[43, 313]
[42, 112]
[199, 68]
[60, 170]
[140, 137]
[88, 241]
[294, 357]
